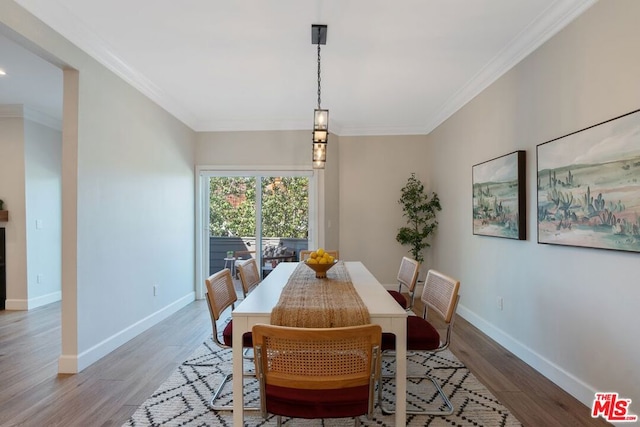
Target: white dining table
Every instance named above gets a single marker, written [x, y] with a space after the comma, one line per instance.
[383, 310]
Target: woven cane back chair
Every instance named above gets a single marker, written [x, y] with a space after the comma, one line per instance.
[221, 295]
[407, 280]
[440, 296]
[304, 254]
[249, 275]
[317, 372]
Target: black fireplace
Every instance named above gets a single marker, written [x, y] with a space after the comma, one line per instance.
[3, 270]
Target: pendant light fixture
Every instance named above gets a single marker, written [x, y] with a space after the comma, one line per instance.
[320, 116]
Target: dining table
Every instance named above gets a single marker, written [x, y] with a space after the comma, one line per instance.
[383, 310]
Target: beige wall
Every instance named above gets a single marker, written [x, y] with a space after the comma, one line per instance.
[127, 201]
[135, 210]
[43, 177]
[30, 186]
[373, 171]
[12, 192]
[330, 195]
[567, 311]
[277, 150]
[254, 149]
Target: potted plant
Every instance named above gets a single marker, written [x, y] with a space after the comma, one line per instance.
[419, 208]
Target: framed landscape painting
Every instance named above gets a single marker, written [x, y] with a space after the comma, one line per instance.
[589, 186]
[499, 204]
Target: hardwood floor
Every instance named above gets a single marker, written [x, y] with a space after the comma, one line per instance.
[109, 391]
[104, 394]
[532, 398]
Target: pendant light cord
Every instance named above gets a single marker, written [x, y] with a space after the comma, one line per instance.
[318, 68]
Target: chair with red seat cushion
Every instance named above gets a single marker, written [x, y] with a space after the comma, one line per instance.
[440, 297]
[221, 295]
[407, 279]
[317, 372]
[249, 275]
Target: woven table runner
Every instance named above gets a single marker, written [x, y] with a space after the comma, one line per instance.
[307, 302]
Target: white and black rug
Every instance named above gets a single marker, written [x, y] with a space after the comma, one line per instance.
[183, 399]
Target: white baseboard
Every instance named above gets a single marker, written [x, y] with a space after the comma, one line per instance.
[16, 304]
[565, 380]
[72, 364]
[44, 300]
[31, 303]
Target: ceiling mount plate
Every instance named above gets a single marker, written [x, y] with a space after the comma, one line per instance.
[318, 37]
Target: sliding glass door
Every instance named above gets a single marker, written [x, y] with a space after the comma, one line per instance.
[261, 215]
[284, 216]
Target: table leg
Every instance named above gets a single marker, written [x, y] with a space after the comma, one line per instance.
[240, 326]
[400, 329]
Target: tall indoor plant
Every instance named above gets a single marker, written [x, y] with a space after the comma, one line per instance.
[419, 208]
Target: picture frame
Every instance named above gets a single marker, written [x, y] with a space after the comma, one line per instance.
[499, 197]
[588, 189]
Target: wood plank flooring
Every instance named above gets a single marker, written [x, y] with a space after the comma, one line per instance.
[109, 391]
[532, 398]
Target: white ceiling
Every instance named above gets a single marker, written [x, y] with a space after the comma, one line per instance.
[389, 67]
[30, 81]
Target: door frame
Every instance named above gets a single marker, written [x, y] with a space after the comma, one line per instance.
[203, 173]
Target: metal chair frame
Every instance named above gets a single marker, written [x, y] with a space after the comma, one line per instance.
[440, 294]
[220, 296]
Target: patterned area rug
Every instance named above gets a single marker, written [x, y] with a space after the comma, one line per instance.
[183, 399]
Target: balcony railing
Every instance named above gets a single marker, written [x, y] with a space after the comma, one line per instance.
[220, 246]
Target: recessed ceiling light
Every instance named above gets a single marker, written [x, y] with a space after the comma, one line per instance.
[2, 72]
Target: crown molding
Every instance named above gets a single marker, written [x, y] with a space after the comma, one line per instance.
[11, 111]
[239, 125]
[547, 24]
[65, 22]
[382, 131]
[251, 125]
[550, 22]
[42, 118]
[28, 113]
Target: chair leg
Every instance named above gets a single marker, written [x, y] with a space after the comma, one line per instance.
[380, 392]
[445, 399]
[247, 353]
[216, 394]
[386, 410]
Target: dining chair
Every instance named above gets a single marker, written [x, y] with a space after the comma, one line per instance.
[407, 279]
[221, 295]
[304, 254]
[440, 297]
[317, 372]
[249, 275]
